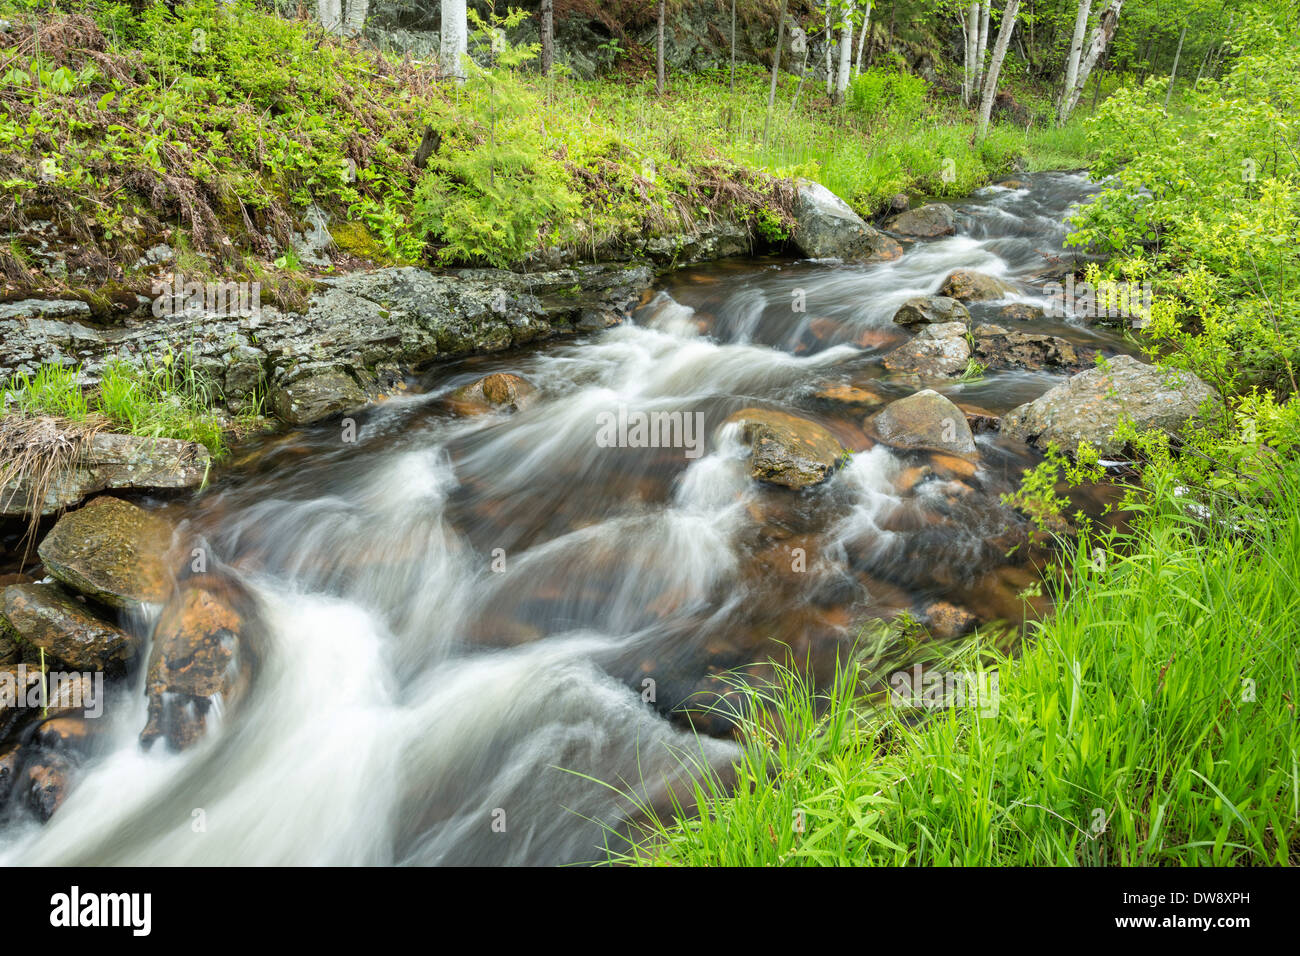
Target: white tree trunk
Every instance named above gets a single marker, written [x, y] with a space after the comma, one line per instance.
[330, 13]
[1005, 29]
[1173, 75]
[971, 28]
[1076, 52]
[981, 45]
[355, 21]
[830, 43]
[862, 35]
[846, 52]
[1101, 36]
[454, 39]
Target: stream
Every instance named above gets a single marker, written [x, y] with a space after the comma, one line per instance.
[471, 622]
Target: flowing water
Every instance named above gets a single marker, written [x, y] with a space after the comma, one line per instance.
[471, 622]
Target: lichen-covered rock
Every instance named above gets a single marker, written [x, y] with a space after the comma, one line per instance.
[103, 461]
[1021, 312]
[924, 420]
[47, 616]
[937, 351]
[996, 347]
[826, 228]
[112, 551]
[971, 286]
[927, 222]
[1089, 406]
[316, 396]
[205, 649]
[931, 310]
[787, 450]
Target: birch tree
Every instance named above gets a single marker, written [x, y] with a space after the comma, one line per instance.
[1101, 37]
[971, 29]
[1076, 52]
[355, 21]
[830, 47]
[981, 45]
[453, 40]
[547, 12]
[846, 52]
[863, 30]
[1005, 29]
[659, 48]
[330, 14]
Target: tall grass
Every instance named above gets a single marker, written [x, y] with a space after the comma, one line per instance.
[1151, 720]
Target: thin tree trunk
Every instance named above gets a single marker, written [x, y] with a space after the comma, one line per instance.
[862, 36]
[548, 36]
[776, 65]
[659, 50]
[830, 73]
[846, 52]
[1076, 53]
[971, 28]
[733, 46]
[1173, 74]
[453, 39]
[1101, 37]
[1005, 29]
[981, 45]
[1096, 87]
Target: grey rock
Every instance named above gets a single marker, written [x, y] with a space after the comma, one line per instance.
[931, 310]
[1088, 406]
[927, 222]
[924, 420]
[937, 351]
[826, 228]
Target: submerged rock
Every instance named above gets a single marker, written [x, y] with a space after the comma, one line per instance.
[112, 551]
[968, 285]
[937, 351]
[826, 228]
[931, 310]
[1021, 312]
[787, 450]
[1088, 407]
[925, 420]
[927, 222]
[204, 653]
[853, 397]
[47, 616]
[499, 390]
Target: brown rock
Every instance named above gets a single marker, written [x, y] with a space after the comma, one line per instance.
[850, 396]
[946, 620]
[968, 285]
[47, 616]
[112, 551]
[499, 390]
[925, 420]
[787, 450]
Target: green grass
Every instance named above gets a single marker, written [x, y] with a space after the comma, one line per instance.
[163, 399]
[1150, 721]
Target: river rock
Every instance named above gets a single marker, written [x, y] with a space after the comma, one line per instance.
[927, 222]
[112, 551]
[204, 651]
[316, 396]
[968, 285]
[104, 460]
[996, 347]
[924, 420]
[1021, 312]
[1089, 406]
[787, 450]
[932, 310]
[827, 228]
[47, 616]
[937, 351]
[945, 620]
[853, 397]
[499, 390]
[47, 777]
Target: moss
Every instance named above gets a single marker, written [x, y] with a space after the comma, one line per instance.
[355, 239]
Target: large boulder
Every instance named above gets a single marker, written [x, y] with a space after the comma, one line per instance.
[112, 551]
[94, 463]
[48, 617]
[787, 450]
[1089, 406]
[927, 222]
[931, 310]
[826, 228]
[937, 351]
[205, 650]
[924, 420]
[996, 347]
[971, 286]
